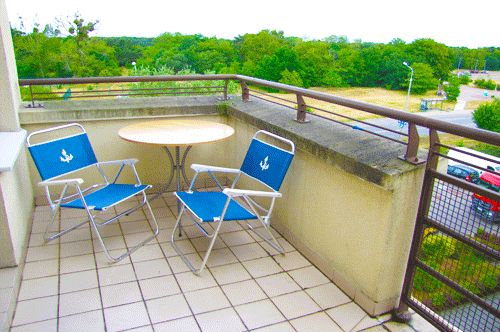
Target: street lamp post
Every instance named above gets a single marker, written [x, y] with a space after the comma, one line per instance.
[409, 87]
[135, 67]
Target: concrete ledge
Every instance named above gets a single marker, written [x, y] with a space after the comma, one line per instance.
[364, 155]
[116, 108]
[359, 153]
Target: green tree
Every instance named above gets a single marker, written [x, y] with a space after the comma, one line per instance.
[332, 78]
[315, 61]
[291, 78]
[438, 56]
[392, 71]
[78, 30]
[423, 78]
[351, 66]
[256, 46]
[164, 51]
[452, 89]
[272, 67]
[487, 116]
[39, 53]
[127, 49]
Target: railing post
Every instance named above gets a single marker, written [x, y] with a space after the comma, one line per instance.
[245, 92]
[32, 97]
[301, 109]
[225, 90]
[433, 158]
[412, 148]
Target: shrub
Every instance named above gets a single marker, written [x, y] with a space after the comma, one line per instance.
[465, 79]
[487, 116]
[483, 84]
[425, 282]
[26, 93]
[489, 281]
[435, 247]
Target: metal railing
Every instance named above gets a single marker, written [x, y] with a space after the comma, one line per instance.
[136, 87]
[445, 220]
[412, 137]
[453, 273]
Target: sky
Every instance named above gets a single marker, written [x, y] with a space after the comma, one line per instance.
[471, 24]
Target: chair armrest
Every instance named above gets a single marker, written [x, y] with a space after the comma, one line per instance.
[68, 182]
[205, 168]
[123, 162]
[240, 192]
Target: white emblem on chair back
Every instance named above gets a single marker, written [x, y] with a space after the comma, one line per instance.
[264, 165]
[67, 157]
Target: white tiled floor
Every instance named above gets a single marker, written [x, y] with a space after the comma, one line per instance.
[68, 284]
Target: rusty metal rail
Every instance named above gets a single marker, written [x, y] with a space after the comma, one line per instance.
[412, 119]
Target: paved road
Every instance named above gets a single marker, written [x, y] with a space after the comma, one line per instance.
[462, 117]
[459, 116]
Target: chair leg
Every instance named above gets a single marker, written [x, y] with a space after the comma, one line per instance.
[56, 212]
[177, 223]
[116, 259]
[209, 249]
[275, 245]
[266, 226]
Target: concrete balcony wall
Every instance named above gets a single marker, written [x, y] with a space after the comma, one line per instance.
[16, 203]
[349, 202]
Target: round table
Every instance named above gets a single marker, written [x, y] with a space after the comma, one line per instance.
[176, 133]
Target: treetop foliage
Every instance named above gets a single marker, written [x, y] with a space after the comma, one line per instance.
[333, 61]
[487, 116]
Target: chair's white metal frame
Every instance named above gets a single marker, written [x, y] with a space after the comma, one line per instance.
[80, 193]
[232, 193]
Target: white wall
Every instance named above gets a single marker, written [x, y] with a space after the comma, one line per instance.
[16, 195]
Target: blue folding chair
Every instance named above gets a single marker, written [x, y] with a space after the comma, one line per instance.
[264, 163]
[62, 151]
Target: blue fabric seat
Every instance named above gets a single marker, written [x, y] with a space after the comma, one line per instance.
[265, 164]
[60, 160]
[208, 206]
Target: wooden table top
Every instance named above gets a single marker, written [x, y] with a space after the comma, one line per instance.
[176, 132]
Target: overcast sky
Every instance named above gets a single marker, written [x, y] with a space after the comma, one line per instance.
[471, 24]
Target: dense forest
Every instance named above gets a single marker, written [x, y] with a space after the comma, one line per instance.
[332, 62]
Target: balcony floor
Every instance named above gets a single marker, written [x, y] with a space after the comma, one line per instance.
[68, 284]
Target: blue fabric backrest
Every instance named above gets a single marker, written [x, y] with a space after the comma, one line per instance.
[61, 156]
[266, 163]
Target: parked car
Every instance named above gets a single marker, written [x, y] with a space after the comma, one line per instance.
[464, 172]
[483, 161]
[483, 206]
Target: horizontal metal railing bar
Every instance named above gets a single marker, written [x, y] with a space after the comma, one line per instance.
[484, 249]
[360, 121]
[335, 114]
[432, 317]
[125, 79]
[419, 120]
[470, 154]
[465, 185]
[272, 101]
[133, 94]
[330, 119]
[271, 96]
[131, 91]
[462, 290]
[361, 129]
